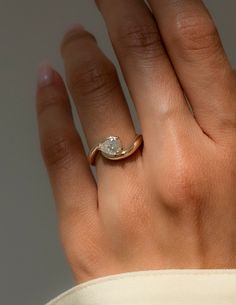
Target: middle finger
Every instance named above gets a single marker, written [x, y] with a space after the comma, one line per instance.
[96, 90]
[151, 79]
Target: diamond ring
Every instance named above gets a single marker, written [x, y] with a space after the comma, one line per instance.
[111, 148]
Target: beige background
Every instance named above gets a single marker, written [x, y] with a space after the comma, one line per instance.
[32, 265]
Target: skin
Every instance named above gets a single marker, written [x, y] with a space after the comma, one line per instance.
[171, 205]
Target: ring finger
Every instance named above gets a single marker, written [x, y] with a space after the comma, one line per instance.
[96, 90]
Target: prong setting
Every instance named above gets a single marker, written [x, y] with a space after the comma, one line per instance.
[111, 146]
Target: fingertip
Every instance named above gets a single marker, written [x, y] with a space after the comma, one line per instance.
[75, 26]
[47, 76]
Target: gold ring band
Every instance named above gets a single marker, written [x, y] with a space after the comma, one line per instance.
[111, 148]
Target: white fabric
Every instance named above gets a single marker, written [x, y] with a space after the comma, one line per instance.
[159, 287]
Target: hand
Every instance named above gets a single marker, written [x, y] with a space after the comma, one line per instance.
[172, 204]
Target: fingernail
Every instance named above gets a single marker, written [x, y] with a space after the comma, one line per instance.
[45, 74]
[75, 26]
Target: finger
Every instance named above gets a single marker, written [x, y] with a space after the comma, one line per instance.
[73, 185]
[195, 49]
[96, 90]
[147, 70]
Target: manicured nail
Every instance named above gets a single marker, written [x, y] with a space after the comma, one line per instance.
[75, 26]
[45, 75]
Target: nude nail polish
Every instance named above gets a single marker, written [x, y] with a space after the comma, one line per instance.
[45, 74]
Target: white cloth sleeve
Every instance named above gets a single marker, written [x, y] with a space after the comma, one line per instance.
[159, 287]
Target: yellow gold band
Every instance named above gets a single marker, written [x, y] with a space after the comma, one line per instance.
[111, 148]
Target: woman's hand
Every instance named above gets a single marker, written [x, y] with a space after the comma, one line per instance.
[173, 203]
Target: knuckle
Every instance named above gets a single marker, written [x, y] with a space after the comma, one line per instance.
[199, 34]
[94, 80]
[184, 187]
[184, 190]
[48, 99]
[141, 40]
[72, 37]
[57, 151]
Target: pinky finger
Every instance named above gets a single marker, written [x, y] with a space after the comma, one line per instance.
[72, 182]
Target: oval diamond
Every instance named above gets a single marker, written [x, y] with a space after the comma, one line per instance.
[111, 146]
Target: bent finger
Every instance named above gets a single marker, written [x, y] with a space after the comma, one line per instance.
[73, 184]
[195, 49]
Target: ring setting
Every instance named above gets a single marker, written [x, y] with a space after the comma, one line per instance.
[112, 148]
